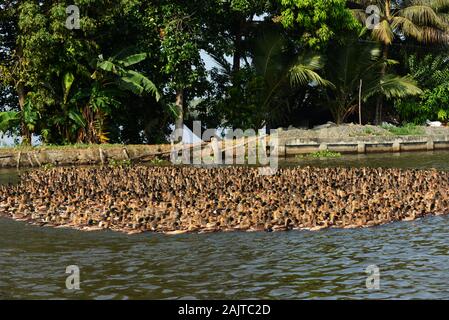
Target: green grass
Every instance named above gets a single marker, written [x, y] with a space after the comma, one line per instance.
[81, 146]
[61, 147]
[48, 166]
[70, 147]
[321, 154]
[408, 129]
[120, 163]
[157, 161]
[370, 132]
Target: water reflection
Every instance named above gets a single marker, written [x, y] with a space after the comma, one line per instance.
[407, 160]
[292, 265]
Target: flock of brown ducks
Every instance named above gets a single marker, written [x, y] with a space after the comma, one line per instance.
[186, 199]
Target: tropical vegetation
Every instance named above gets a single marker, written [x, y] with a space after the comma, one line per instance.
[136, 69]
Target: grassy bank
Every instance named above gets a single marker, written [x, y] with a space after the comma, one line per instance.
[77, 146]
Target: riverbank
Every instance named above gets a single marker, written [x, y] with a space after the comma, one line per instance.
[348, 138]
[351, 138]
[174, 200]
[20, 157]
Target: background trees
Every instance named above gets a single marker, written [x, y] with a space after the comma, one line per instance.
[136, 67]
[313, 23]
[421, 20]
[356, 71]
[431, 71]
[48, 63]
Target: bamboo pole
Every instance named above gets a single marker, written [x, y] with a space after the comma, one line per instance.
[360, 102]
[18, 159]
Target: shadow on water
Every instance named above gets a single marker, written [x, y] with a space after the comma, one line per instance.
[10, 176]
[413, 257]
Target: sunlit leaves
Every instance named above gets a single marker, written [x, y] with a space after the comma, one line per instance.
[317, 21]
[8, 119]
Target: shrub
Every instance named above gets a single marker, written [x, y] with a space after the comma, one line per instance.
[408, 129]
[322, 154]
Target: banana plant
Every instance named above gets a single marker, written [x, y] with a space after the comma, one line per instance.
[125, 78]
[111, 78]
[84, 113]
[9, 120]
[69, 121]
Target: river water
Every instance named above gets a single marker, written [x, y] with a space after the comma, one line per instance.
[412, 257]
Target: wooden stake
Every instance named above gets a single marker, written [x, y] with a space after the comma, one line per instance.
[18, 159]
[125, 152]
[101, 156]
[360, 102]
[37, 160]
[30, 160]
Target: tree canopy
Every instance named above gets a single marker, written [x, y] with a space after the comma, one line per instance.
[134, 68]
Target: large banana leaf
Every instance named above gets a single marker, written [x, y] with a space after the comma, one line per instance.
[107, 65]
[129, 79]
[133, 59]
[68, 80]
[138, 83]
[8, 120]
[77, 118]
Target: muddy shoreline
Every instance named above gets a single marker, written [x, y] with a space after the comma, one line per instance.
[31, 157]
[175, 200]
[348, 138]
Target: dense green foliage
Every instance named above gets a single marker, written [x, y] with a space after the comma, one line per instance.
[134, 68]
[432, 73]
[316, 22]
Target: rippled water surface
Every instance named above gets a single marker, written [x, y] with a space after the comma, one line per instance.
[413, 258]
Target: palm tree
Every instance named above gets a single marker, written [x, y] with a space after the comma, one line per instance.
[421, 20]
[259, 93]
[432, 73]
[282, 70]
[356, 62]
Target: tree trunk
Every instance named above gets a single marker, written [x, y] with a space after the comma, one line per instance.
[388, 9]
[380, 98]
[237, 54]
[379, 105]
[179, 110]
[360, 102]
[21, 93]
[237, 46]
[339, 118]
[24, 131]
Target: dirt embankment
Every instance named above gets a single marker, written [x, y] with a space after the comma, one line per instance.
[103, 154]
[88, 155]
[342, 132]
